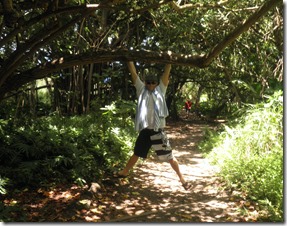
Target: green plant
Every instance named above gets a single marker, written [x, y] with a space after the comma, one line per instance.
[3, 183]
[76, 149]
[250, 154]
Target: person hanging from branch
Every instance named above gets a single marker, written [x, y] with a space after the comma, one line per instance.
[150, 121]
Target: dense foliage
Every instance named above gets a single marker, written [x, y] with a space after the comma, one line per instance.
[73, 149]
[249, 153]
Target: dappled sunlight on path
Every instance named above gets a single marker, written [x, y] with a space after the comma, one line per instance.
[151, 193]
[160, 194]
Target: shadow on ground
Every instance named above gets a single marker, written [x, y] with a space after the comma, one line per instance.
[153, 193]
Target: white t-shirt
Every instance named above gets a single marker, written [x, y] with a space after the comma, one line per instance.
[139, 85]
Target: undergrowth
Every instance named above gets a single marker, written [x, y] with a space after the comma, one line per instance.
[57, 149]
[249, 154]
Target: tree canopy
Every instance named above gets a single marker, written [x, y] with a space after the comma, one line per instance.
[42, 38]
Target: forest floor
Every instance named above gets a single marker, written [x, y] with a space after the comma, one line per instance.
[151, 193]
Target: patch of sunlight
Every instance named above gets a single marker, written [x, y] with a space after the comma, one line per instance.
[116, 130]
[93, 218]
[197, 169]
[216, 204]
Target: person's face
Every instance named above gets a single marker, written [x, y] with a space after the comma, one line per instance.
[150, 85]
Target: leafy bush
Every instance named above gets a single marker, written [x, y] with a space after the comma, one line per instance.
[3, 183]
[77, 149]
[250, 154]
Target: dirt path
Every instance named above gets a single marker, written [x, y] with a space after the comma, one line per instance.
[153, 192]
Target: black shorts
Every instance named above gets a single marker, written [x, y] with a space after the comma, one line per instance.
[157, 140]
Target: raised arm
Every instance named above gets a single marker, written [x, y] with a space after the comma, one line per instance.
[133, 71]
[165, 75]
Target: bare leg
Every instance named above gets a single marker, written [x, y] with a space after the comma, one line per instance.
[130, 164]
[174, 164]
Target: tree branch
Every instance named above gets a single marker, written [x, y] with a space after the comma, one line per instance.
[231, 37]
[42, 71]
[38, 19]
[10, 14]
[38, 40]
[179, 8]
[16, 81]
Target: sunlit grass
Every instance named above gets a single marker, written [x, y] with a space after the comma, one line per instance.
[249, 153]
